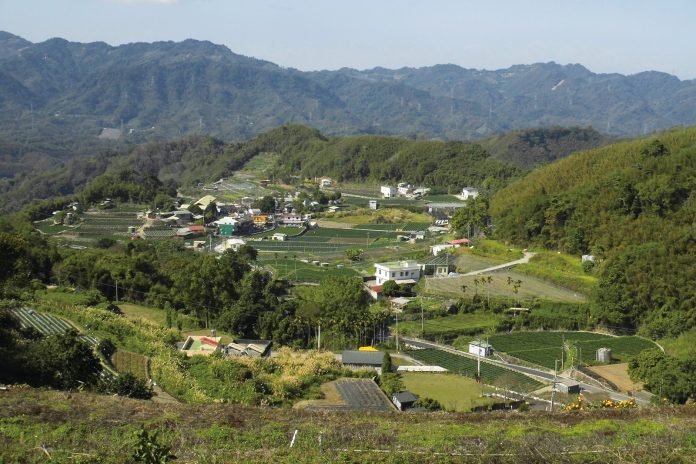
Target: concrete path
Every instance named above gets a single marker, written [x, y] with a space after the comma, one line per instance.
[523, 260]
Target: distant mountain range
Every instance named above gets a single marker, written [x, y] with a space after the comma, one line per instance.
[58, 88]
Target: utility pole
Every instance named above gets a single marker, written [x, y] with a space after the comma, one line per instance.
[553, 386]
[422, 319]
[117, 291]
[397, 331]
[319, 337]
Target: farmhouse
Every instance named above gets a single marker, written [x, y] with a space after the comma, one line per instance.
[200, 345]
[290, 219]
[402, 272]
[469, 192]
[251, 348]
[280, 237]
[260, 219]
[356, 359]
[387, 191]
[480, 348]
[404, 400]
[227, 226]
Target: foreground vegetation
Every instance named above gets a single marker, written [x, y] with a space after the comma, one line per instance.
[36, 426]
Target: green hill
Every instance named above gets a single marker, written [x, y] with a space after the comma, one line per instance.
[632, 205]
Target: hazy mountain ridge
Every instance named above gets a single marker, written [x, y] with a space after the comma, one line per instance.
[166, 89]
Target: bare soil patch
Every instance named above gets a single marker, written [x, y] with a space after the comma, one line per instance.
[618, 375]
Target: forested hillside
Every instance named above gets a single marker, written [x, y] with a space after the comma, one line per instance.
[633, 206]
[64, 93]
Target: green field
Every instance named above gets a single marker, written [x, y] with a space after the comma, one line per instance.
[490, 373]
[296, 270]
[451, 326]
[454, 392]
[544, 348]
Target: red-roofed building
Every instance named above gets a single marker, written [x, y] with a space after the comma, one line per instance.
[460, 241]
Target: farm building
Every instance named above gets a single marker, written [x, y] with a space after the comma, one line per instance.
[403, 272]
[403, 188]
[251, 348]
[325, 182]
[200, 345]
[387, 191]
[157, 233]
[443, 210]
[280, 237]
[230, 244]
[480, 348]
[437, 249]
[372, 204]
[398, 304]
[603, 355]
[404, 400]
[459, 242]
[357, 359]
[469, 192]
[440, 265]
[204, 202]
[568, 386]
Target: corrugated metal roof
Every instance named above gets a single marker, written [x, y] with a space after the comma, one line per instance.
[373, 358]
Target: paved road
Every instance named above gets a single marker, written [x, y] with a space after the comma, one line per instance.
[523, 260]
[543, 374]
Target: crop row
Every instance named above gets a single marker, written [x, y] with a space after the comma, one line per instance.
[48, 325]
[490, 373]
[543, 348]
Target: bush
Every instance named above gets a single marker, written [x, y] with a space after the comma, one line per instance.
[428, 403]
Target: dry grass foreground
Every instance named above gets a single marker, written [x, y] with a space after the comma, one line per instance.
[49, 426]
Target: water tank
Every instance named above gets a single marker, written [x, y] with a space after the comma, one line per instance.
[604, 355]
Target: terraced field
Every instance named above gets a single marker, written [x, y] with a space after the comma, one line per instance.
[544, 348]
[48, 324]
[490, 373]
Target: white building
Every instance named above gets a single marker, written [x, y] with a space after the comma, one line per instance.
[325, 182]
[480, 348]
[437, 249]
[403, 188]
[372, 204]
[231, 243]
[402, 272]
[387, 191]
[469, 192]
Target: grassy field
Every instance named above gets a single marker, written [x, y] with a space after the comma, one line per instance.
[531, 288]
[133, 311]
[496, 250]
[490, 373]
[87, 428]
[561, 269]
[454, 392]
[451, 326]
[543, 348]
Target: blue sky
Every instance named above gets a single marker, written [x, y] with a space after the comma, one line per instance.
[624, 36]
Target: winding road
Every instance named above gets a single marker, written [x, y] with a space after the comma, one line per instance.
[525, 259]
